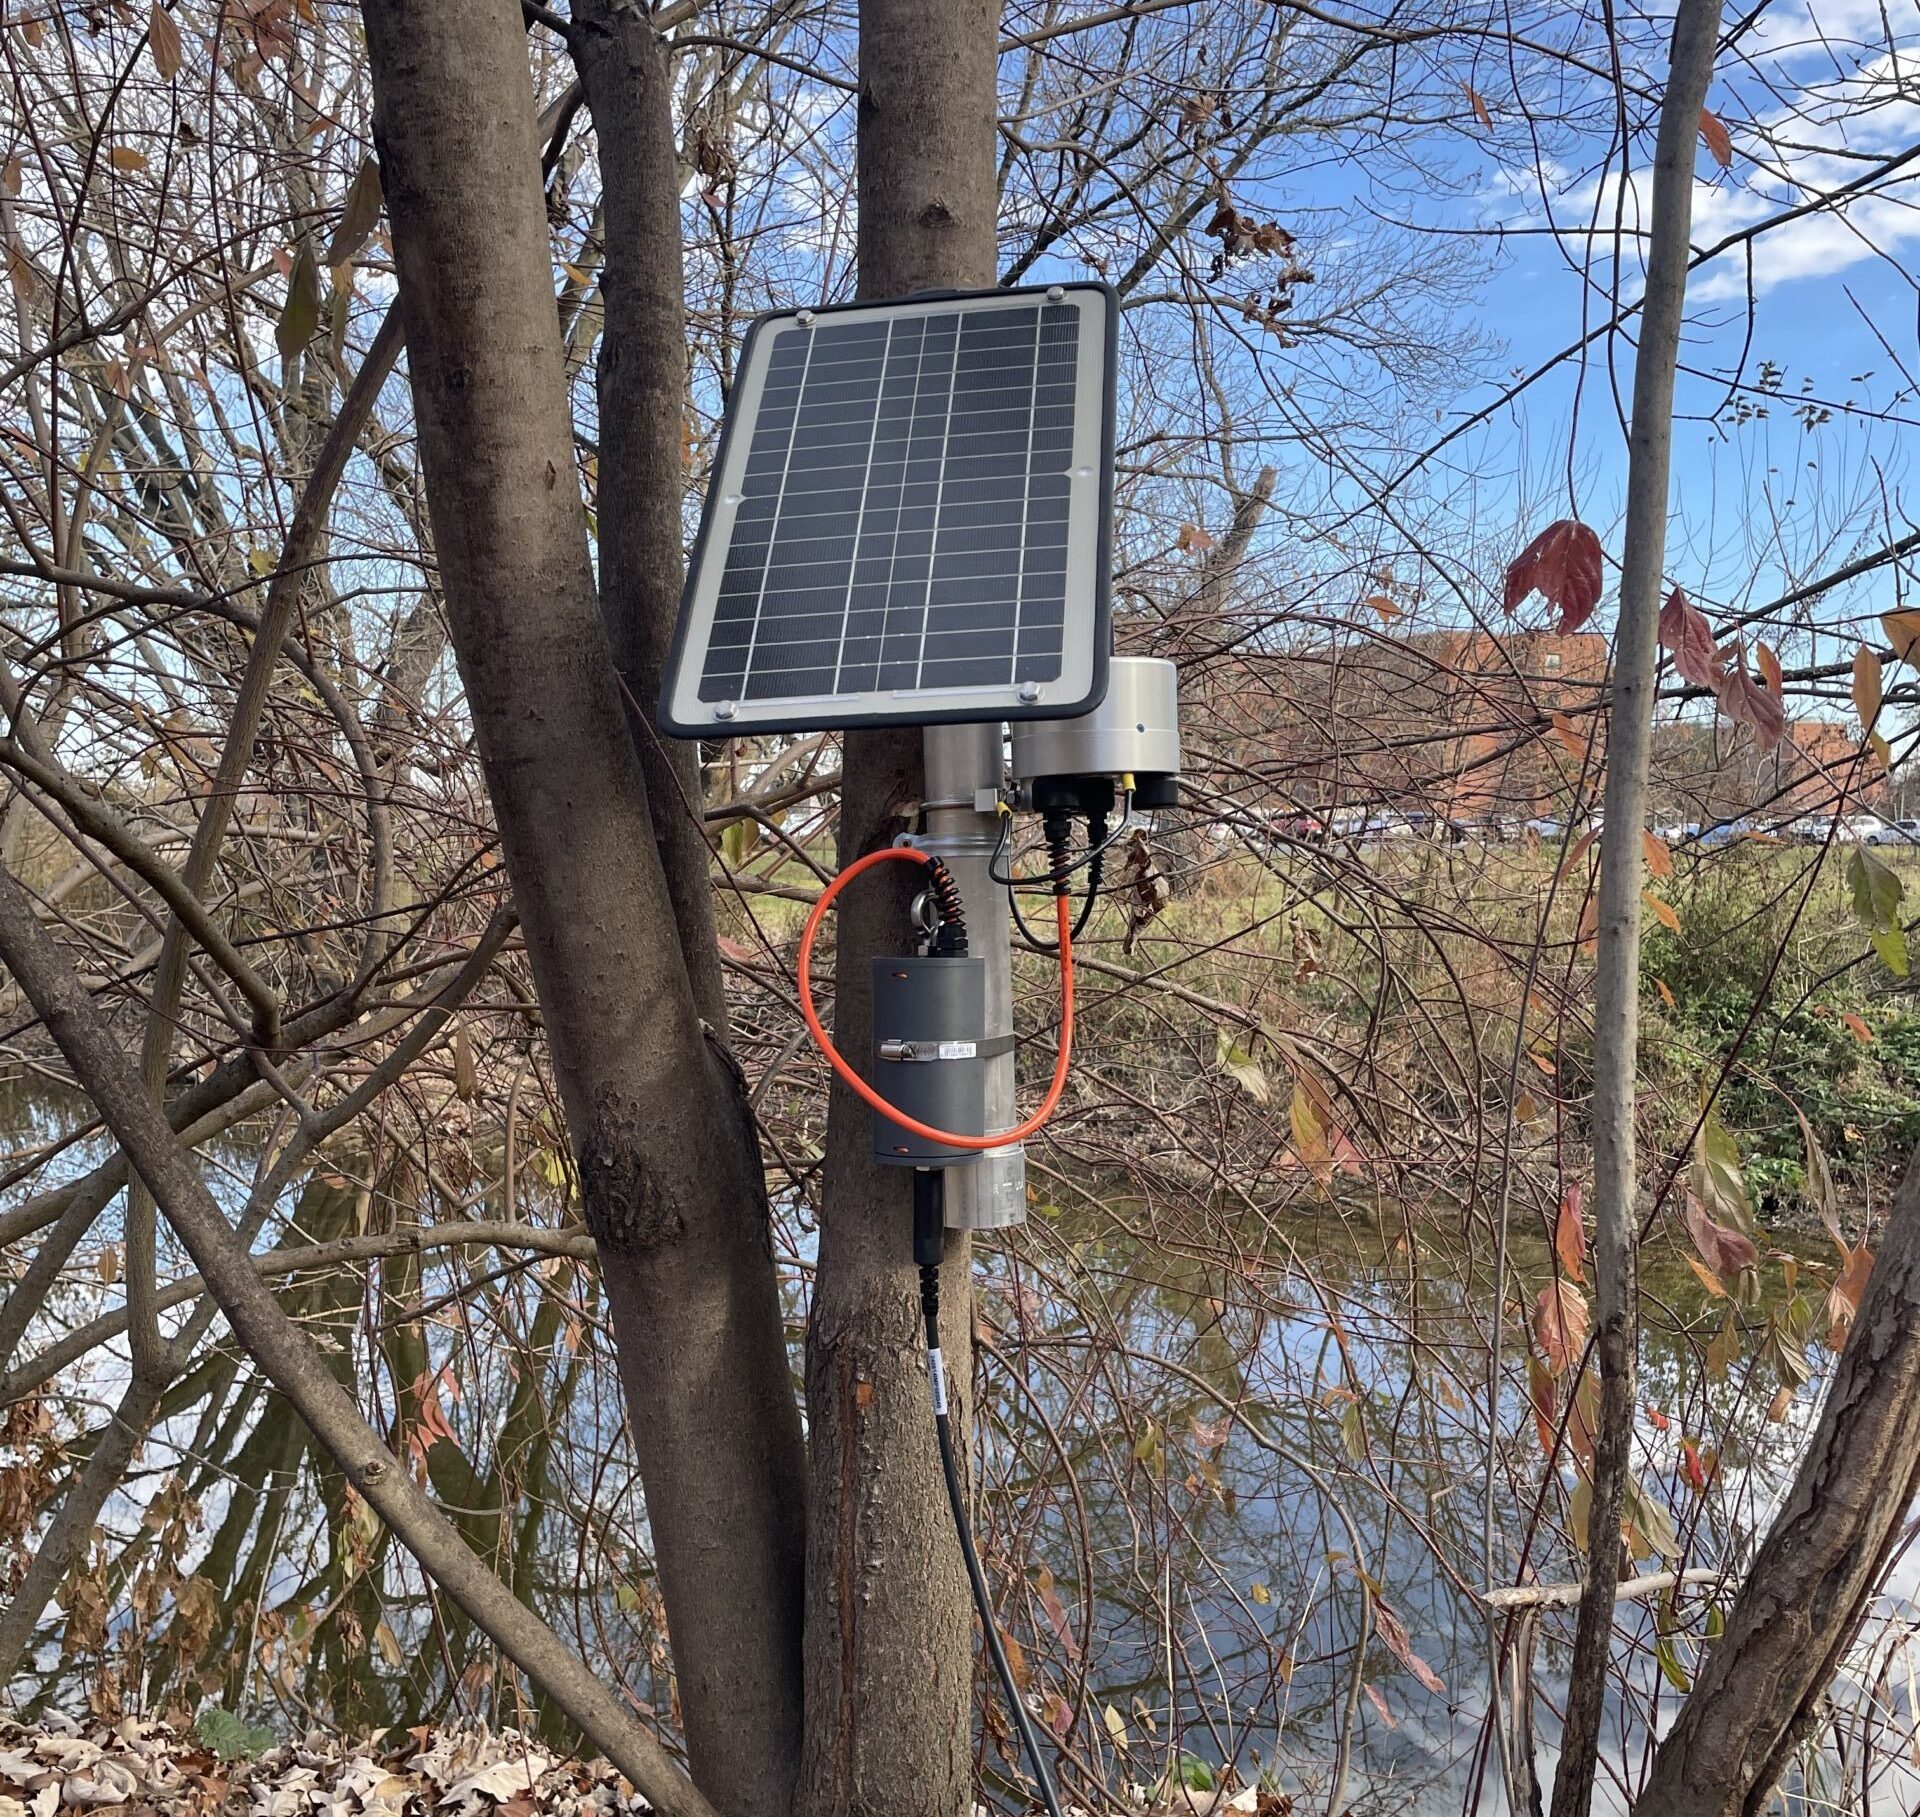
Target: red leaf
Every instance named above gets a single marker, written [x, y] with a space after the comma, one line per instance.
[1546, 1407]
[1693, 1465]
[1722, 1248]
[1380, 1706]
[1713, 130]
[1745, 701]
[1056, 1611]
[1570, 741]
[1684, 631]
[1570, 1235]
[1563, 564]
[1059, 1716]
[1843, 1297]
[1393, 1632]
[1560, 1324]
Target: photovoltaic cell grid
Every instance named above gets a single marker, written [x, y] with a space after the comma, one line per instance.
[902, 519]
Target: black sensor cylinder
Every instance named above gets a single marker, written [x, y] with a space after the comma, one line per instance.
[929, 1022]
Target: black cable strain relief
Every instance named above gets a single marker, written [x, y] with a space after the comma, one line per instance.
[929, 1223]
[950, 938]
[1058, 827]
[930, 1302]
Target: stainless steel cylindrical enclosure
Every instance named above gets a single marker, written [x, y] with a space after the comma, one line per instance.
[1135, 730]
[929, 1023]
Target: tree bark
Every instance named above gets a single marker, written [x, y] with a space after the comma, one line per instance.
[889, 1659]
[671, 1178]
[1800, 1607]
[1617, 977]
[642, 374]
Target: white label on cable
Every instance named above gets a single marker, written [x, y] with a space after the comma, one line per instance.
[937, 1380]
[957, 1050]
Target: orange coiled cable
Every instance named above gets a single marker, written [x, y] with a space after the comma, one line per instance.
[824, 1041]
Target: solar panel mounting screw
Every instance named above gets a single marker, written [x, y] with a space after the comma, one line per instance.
[1029, 690]
[726, 709]
[805, 318]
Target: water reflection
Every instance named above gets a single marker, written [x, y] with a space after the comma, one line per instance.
[1235, 1484]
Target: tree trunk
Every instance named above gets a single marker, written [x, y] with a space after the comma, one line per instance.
[889, 1659]
[1800, 1607]
[642, 373]
[669, 1167]
[1616, 1023]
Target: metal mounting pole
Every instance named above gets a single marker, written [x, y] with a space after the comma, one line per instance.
[962, 761]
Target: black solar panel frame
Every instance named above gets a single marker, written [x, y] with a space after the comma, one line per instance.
[686, 659]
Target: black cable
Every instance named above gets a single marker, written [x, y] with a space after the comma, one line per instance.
[1035, 885]
[929, 1220]
[1093, 861]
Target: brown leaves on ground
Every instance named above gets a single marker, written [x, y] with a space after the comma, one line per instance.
[1564, 565]
[166, 1771]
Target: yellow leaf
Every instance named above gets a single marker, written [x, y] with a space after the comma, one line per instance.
[1577, 851]
[1866, 687]
[1663, 912]
[466, 1077]
[124, 157]
[1309, 1134]
[163, 39]
[1708, 1279]
[1116, 1727]
[389, 1644]
[1261, 1594]
[1903, 631]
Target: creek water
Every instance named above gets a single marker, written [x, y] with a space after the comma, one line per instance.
[1235, 1494]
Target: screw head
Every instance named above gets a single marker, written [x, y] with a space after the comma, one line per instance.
[805, 318]
[726, 709]
[1029, 691]
[1055, 294]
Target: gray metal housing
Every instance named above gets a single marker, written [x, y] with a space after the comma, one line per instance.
[1134, 731]
[929, 1020]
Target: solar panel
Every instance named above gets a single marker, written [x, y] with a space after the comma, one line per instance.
[908, 520]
